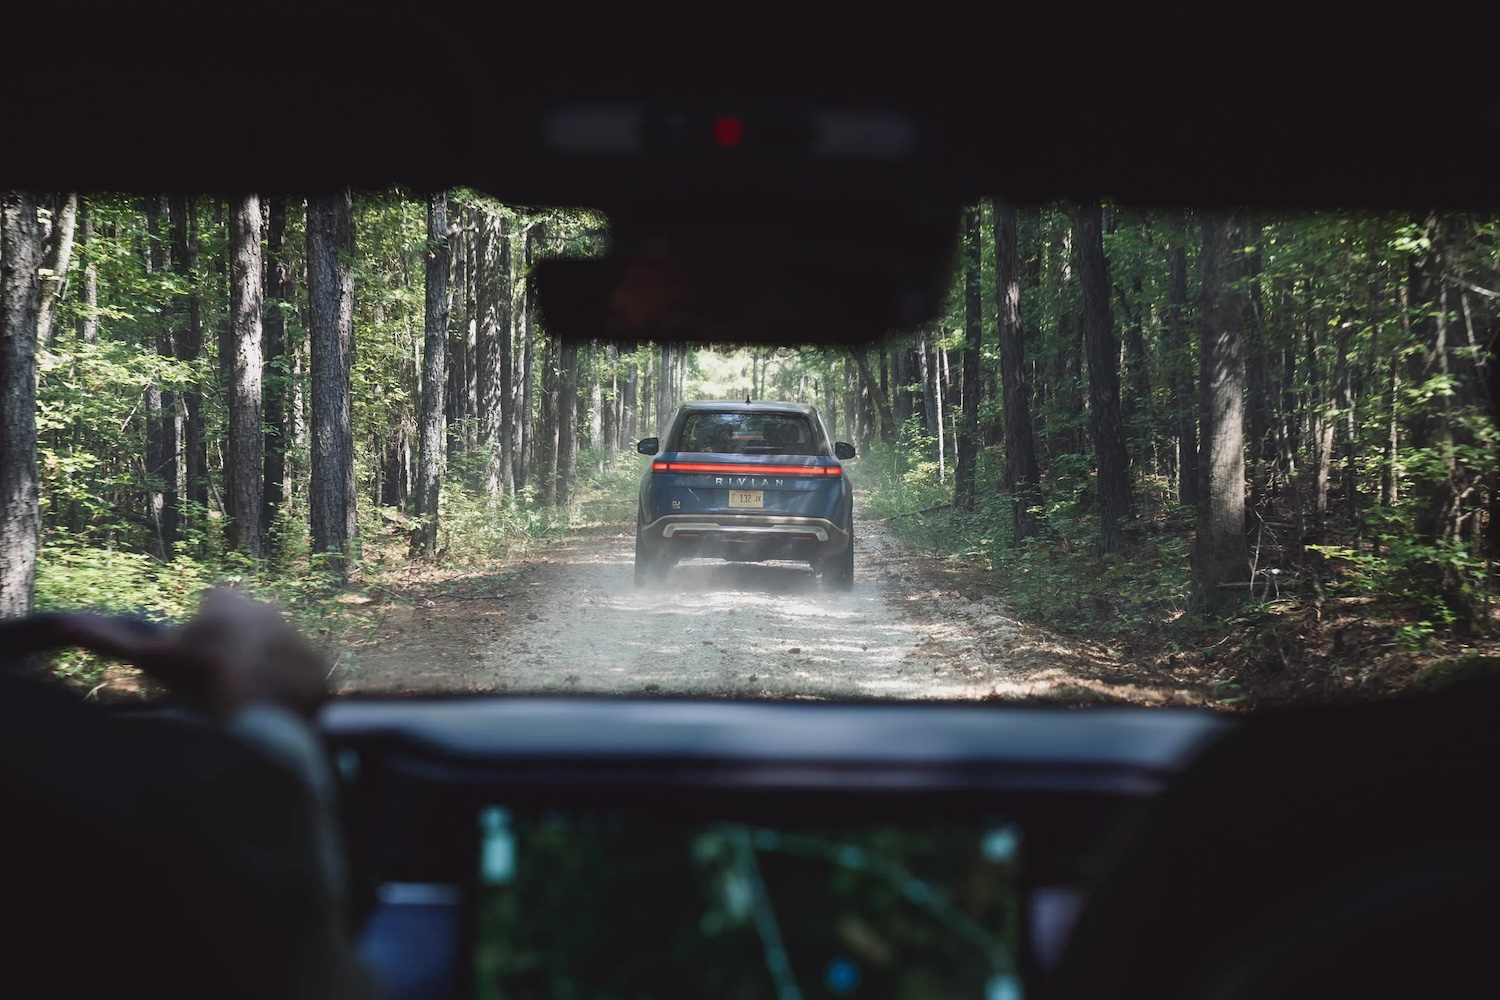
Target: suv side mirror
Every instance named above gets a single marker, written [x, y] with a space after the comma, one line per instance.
[650, 446]
[843, 451]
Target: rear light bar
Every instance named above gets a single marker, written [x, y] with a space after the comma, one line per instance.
[747, 469]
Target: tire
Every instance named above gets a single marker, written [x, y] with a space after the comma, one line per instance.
[649, 568]
[838, 571]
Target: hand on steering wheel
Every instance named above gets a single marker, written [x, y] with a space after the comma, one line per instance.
[233, 653]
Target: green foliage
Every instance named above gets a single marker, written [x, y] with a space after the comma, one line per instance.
[1058, 578]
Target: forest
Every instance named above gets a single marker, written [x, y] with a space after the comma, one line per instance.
[1229, 407]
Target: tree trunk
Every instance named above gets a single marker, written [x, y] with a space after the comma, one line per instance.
[456, 395]
[524, 458]
[245, 455]
[885, 393]
[830, 404]
[547, 457]
[664, 385]
[88, 323]
[1107, 424]
[189, 347]
[967, 443]
[937, 413]
[567, 421]
[1022, 475]
[1220, 554]
[55, 261]
[1320, 428]
[1184, 399]
[632, 406]
[161, 404]
[492, 347]
[905, 371]
[851, 401]
[1139, 415]
[275, 371]
[596, 422]
[434, 375]
[20, 304]
[1259, 415]
[1345, 398]
[515, 417]
[929, 395]
[613, 412]
[330, 294]
[875, 402]
[1067, 369]
[1390, 482]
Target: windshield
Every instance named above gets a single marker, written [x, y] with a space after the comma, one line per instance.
[1144, 456]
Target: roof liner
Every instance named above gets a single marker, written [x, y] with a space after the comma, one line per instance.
[1137, 105]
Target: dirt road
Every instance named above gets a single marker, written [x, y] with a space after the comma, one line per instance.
[570, 620]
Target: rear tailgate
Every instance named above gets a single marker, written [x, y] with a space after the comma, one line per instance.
[774, 485]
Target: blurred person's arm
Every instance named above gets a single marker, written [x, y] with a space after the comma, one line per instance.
[189, 852]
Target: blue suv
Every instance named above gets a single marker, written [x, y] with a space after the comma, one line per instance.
[746, 482]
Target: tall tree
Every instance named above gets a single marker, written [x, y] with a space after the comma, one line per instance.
[434, 379]
[527, 350]
[189, 347]
[567, 420]
[1103, 349]
[1220, 553]
[967, 443]
[872, 402]
[493, 350]
[244, 455]
[161, 400]
[20, 302]
[1022, 475]
[330, 298]
[456, 396]
[547, 452]
[275, 371]
[55, 260]
[1184, 405]
[88, 319]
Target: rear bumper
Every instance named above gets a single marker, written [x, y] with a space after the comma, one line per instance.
[744, 536]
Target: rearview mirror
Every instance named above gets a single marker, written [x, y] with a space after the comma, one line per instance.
[732, 287]
[649, 446]
[843, 450]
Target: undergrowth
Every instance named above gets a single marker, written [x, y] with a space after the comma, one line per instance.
[1056, 577]
[480, 536]
[1332, 621]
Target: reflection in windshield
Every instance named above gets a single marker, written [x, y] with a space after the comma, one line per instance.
[611, 905]
[1145, 456]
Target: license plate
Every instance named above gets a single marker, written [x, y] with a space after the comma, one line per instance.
[747, 498]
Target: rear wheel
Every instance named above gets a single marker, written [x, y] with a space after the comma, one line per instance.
[649, 568]
[838, 571]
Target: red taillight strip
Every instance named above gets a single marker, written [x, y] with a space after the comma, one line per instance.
[742, 470]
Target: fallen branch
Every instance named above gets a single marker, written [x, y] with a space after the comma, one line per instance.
[911, 513]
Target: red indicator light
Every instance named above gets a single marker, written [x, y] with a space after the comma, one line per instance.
[747, 470]
[728, 132]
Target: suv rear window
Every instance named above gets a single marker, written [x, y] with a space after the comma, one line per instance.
[748, 434]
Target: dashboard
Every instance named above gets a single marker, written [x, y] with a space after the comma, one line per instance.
[460, 811]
